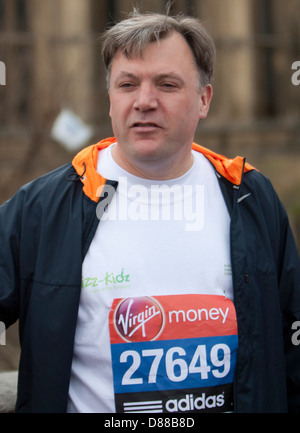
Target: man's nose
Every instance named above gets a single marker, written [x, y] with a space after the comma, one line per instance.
[146, 98]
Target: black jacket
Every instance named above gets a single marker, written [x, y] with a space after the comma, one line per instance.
[46, 230]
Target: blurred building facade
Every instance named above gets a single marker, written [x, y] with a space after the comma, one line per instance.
[52, 56]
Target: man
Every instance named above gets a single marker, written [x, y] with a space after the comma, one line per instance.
[184, 297]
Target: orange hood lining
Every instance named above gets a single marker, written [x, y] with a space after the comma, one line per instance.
[86, 162]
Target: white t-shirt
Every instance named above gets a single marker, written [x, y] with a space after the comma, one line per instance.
[158, 241]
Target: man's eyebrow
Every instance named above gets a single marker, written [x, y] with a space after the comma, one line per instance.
[169, 75]
[124, 74]
[163, 76]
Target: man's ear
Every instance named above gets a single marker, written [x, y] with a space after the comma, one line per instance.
[206, 97]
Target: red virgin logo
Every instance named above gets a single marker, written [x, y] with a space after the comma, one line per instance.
[139, 319]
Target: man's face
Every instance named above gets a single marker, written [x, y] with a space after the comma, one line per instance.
[156, 104]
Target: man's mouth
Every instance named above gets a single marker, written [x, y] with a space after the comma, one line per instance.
[145, 125]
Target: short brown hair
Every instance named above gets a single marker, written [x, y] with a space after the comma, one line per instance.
[133, 34]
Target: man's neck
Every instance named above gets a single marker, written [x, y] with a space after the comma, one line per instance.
[155, 170]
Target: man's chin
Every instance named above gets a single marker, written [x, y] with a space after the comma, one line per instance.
[147, 149]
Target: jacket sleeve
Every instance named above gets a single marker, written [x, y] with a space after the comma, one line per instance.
[289, 284]
[10, 228]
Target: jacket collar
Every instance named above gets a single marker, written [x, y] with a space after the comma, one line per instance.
[93, 183]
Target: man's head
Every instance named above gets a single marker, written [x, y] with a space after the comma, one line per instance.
[159, 70]
[134, 34]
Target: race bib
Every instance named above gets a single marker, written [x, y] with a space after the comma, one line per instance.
[173, 354]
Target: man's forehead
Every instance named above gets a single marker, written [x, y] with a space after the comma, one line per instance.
[172, 42]
[164, 57]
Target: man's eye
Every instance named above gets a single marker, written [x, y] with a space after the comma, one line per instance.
[126, 85]
[167, 85]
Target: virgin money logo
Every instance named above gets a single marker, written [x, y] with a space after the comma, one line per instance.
[139, 319]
